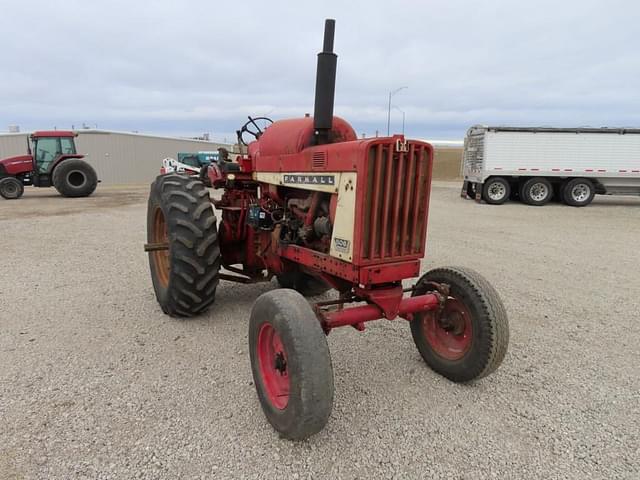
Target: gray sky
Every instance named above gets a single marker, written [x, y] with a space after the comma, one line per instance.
[202, 66]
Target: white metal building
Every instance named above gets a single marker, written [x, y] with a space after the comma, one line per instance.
[119, 157]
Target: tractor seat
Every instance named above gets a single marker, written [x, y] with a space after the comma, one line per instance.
[227, 167]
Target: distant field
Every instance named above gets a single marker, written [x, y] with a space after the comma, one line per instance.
[446, 165]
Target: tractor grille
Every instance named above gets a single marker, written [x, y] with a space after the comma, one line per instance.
[396, 202]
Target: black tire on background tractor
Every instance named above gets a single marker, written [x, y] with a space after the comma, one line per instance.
[469, 340]
[291, 364]
[74, 178]
[180, 215]
[306, 284]
[11, 188]
[578, 192]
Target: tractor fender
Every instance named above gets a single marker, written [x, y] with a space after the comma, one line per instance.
[61, 159]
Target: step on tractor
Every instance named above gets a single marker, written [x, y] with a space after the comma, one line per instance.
[317, 208]
[52, 160]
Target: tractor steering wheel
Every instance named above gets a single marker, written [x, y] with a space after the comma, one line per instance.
[256, 132]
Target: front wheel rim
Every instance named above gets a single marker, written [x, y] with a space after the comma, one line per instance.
[450, 334]
[10, 189]
[273, 366]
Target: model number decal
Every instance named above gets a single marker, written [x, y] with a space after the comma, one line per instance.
[341, 245]
[310, 179]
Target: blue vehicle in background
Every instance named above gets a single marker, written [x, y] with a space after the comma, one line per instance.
[198, 160]
[189, 163]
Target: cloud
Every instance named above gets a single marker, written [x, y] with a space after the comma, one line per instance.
[196, 66]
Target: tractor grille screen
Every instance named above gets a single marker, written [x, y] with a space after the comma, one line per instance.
[396, 202]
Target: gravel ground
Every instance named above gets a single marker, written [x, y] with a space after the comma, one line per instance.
[95, 382]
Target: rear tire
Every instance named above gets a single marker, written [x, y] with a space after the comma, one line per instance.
[11, 188]
[307, 285]
[536, 191]
[74, 178]
[578, 192]
[496, 191]
[291, 364]
[180, 214]
[469, 340]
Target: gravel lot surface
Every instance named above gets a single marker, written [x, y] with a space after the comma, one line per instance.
[95, 382]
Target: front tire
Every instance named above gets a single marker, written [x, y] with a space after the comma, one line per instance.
[291, 364]
[469, 339]
[74, 178]
[11, 188]
[180, 216]
[496, 191]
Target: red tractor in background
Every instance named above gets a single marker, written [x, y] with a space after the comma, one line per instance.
[318, 208]
[52, 160]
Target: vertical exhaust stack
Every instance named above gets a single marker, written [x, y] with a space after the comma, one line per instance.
[325, 86]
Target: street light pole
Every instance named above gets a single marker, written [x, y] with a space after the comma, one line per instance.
[391, 94]
[402, 112]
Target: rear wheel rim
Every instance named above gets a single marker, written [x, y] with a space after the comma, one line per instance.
[161, 257]
[450, 334]
[539, 192]
[76, 178]
[580, 192]
[273, 366]
[496, 191]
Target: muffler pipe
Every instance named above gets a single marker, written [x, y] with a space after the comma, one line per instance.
[325, 86]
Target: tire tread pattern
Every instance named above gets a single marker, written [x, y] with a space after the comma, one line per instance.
[193, 244]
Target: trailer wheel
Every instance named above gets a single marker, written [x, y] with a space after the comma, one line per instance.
[291, 364]
[307, 285]
[496, 191]
[180, 217]
[11, 188]
[537, 191]
[578, 192]
[469, 339]
[74, 178]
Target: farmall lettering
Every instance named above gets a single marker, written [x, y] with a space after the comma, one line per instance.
[329, 180]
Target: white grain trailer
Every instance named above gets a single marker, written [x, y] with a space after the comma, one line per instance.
[538, 164]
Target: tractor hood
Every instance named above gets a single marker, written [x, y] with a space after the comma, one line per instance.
[16, 165]
[286, 137]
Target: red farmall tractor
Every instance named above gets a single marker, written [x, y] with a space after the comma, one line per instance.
[54, 162]
[317, 208]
